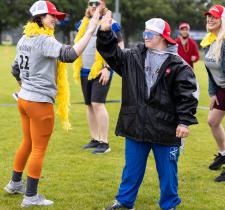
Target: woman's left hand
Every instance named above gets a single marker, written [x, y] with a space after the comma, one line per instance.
[104, 76]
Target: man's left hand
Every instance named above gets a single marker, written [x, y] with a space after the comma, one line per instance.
[182, 131]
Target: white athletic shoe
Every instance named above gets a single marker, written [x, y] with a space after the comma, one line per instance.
[15, 187]
[36, 200]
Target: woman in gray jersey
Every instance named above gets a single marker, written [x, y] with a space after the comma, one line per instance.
[37, 70]
[214, 46]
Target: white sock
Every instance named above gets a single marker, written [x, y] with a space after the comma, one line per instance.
[104, 141]
[222, 153]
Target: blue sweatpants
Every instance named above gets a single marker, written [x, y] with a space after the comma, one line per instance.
[136, 155]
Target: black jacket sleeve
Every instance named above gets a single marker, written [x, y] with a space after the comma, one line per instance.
[107, 46]
[16, 70]
[186, 103]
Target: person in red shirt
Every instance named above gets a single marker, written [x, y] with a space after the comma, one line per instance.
[187, 47]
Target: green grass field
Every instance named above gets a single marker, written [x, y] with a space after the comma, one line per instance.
[78, 180]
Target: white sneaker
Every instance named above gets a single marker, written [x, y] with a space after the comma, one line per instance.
[36, 200]
[15, 187]
[15, 96]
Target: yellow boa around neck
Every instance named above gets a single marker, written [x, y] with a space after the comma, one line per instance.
[63, 94]
[208, 40]
[77, 65]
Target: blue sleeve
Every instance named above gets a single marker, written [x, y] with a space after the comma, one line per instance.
[77, 26]
[116, 27]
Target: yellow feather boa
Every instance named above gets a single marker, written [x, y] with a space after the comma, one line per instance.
[63, 94]
[208, 40]
[77, 65]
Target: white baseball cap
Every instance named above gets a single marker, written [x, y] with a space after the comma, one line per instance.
[160, 26]
[46, 7]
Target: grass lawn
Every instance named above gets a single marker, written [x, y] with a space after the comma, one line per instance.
[78, 180]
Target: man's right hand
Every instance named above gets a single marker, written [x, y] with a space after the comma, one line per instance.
[213, 100]
[106, 22]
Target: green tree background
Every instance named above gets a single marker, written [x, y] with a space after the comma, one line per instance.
[134, 13]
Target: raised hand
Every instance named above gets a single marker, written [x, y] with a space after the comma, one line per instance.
[106, 22]
[94, 21]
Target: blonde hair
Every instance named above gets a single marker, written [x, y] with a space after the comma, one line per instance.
[216, 51]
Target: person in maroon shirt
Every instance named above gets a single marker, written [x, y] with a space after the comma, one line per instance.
[187, 47]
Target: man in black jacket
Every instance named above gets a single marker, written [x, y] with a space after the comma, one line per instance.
[157, 107]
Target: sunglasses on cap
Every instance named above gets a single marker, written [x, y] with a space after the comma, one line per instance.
[150, 34]
[94, 4]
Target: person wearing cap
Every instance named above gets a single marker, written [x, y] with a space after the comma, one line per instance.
[214, 47]
[38, 66]
[95, 76]
[187, 47]
[158, 106]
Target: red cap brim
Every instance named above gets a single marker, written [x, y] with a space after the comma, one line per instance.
[59, 15]
[169, 39]
[214, 14]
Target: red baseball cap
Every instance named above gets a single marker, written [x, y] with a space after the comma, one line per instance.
[184, 25]
[216, 11]
[46, 7]
[161, 26]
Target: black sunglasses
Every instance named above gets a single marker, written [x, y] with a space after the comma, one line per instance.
[94, 4]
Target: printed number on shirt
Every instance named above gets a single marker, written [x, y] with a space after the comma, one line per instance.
[24, 63]
[24, 60]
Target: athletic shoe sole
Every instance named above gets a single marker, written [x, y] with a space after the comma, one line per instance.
[90, 148]
[6, 189]
[107, 151]
[29, 205]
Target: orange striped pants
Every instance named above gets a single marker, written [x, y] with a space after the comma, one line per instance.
[37, 126]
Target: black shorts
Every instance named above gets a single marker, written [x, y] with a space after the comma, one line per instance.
[93, 91]
[220, 93]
